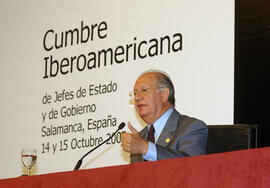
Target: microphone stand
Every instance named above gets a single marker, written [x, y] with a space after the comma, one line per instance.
[79, 163]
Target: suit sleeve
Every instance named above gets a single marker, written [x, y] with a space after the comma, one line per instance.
[189, 140]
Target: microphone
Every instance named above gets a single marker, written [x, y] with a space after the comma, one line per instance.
[79, 163]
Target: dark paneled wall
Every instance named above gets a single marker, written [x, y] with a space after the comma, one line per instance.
[252, 65]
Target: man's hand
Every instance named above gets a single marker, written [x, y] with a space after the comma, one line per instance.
[133, 142]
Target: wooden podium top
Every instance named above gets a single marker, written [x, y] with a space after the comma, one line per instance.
[245, 168]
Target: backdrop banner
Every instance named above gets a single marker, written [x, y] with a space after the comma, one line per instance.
[67, 69]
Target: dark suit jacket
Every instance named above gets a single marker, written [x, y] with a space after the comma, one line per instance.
[187, 137]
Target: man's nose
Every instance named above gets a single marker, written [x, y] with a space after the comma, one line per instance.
[138, 96]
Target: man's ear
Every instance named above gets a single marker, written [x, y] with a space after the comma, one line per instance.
[165, 94]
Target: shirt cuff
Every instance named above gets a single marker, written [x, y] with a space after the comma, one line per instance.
[151, 154]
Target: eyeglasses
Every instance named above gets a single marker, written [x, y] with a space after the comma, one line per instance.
[143, 91]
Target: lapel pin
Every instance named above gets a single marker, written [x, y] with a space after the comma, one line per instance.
[167, 140]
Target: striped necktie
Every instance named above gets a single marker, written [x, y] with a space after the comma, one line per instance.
[151, 136]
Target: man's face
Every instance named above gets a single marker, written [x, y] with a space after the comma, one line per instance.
[148, 98]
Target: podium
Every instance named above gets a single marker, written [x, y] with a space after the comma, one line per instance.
[245, 168]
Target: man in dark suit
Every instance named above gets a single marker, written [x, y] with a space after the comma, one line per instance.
[168, 134]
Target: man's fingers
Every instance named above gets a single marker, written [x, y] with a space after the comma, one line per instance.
[125, 138]
[131, 141]
[125, 145]
[126, 149]
[132, 129]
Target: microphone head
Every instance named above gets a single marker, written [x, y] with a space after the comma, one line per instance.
[122, 125]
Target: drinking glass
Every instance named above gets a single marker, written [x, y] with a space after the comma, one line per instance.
[29, 158]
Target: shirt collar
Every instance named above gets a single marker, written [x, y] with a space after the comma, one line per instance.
[159, 124]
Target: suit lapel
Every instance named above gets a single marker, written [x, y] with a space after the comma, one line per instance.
[169, 129]
[144, 133]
